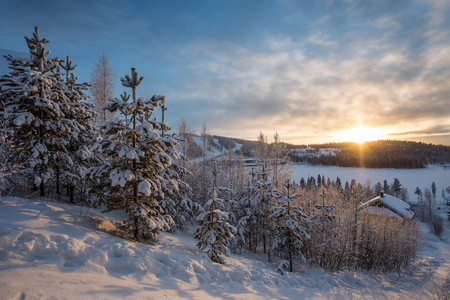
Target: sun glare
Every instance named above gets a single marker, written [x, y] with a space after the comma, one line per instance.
[360, 134]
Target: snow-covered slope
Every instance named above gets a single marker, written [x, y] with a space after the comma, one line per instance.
[216, 149]
[62, 254]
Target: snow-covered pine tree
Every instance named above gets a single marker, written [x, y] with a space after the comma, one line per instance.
[77, 108]
[239, 240]
[136, 155]
[7, 168]
[290, 231]
[396, 188]
[33, 95]
[325, 215]
[265, 199]
[176, 202]
[248, 213]
[214, 233]
[322, 232]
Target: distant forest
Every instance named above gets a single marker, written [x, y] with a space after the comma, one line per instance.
[376, 154]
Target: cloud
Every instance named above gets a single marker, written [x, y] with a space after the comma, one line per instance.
[281, 86]
[304, 69]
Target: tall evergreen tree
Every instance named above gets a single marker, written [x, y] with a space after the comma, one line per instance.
[433, 191]
[386, 187]
[290, 230]
[248, 228]
[418, 192]
[38, 108]
[396, 187]
[7, 167]
[265, 200]
[77, 108]
[177, 202]
[136, 155]
[214, 233]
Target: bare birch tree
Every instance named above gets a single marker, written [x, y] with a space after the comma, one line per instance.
[205, 179]
[102, 80]
[185, 132]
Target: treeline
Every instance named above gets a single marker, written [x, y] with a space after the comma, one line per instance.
[377, 154]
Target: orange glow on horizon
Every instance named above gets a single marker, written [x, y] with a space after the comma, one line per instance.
[360, 134]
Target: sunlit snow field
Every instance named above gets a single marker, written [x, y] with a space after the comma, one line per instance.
[63, 255]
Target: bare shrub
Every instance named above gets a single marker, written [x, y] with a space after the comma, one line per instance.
[437, 224]
[349, 239]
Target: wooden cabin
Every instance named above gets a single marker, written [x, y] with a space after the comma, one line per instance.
[388, 206]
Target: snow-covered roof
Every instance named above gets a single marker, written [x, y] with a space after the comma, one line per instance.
[391, 203]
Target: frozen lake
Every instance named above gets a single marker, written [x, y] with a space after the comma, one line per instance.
[409, 178]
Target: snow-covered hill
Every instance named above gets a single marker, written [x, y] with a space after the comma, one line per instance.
[216, 149]
[62, 254]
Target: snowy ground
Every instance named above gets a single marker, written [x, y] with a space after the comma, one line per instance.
[64, 255]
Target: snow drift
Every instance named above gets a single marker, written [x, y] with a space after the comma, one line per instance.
[62, 254]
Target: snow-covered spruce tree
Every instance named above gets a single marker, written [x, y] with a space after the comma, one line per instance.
[265, 199]
[239, 241]
[136, 155]
[214, 233]
[248, 224]
[33, 95]
[323, 245]
[7, 168]
[77, 108]
[290, 230]
[176, 202]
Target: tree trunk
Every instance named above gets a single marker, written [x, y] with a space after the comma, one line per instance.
[57, 181]
[42, 189]
[136, 228]
[290, 253]
[71, 193]
[264, 243]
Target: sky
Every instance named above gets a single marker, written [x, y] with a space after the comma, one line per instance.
[313, 71]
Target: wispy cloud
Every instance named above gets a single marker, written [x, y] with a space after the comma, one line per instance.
[379, 80]
[305, 69]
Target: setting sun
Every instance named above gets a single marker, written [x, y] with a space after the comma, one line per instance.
[360, 134]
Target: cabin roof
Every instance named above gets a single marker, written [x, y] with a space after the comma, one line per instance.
[391, 203]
